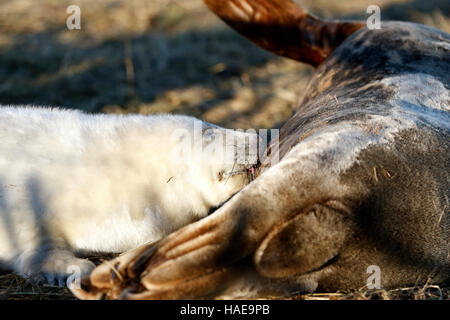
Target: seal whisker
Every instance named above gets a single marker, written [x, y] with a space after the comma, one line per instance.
[227, 173]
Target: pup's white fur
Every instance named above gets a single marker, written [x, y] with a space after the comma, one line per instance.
[71, 182]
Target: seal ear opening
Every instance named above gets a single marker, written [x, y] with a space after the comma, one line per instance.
[284, 28]
[307, 242]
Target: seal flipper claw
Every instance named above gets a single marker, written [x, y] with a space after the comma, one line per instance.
[115, 273]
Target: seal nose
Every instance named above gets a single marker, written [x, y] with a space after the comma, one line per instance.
[252, 171]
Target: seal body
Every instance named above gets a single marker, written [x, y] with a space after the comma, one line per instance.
[73, 182]
[362, 185]
[369, 149]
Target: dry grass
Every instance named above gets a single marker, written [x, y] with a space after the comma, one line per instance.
[429, 292]
[151, 56]
[13, 287]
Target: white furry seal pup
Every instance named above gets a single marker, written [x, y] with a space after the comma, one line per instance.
[362, 185]
[73, 182]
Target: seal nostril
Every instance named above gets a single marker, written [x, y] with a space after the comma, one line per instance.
[251, 173]
[253, 170]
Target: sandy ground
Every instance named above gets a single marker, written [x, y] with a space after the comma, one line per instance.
[151, 56]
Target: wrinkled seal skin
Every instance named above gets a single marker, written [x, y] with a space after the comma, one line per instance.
[363, 180]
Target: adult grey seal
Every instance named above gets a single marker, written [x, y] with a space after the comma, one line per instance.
[362, 181]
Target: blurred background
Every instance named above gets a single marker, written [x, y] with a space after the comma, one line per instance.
[150, 56]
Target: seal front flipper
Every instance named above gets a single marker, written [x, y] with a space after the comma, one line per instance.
[117, 272]
[284, 28]
[305, 243]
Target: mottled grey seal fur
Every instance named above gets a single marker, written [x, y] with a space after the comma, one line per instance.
[363, 180]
